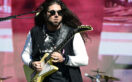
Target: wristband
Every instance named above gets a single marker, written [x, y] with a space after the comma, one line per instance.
[66, 59]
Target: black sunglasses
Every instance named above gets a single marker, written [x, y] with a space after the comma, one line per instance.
[53, 12]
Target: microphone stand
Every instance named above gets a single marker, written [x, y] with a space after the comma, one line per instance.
[15, 16]
[91, 77]
[97, 78]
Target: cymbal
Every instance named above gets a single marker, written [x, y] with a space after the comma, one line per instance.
[5, 78]
[97, 71]
[109, 78]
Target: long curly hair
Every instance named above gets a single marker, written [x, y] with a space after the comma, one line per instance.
[69, 18]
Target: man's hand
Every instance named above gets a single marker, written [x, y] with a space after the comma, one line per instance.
[57, 57]
[37, 66]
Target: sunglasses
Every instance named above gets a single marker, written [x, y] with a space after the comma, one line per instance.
[53, 12]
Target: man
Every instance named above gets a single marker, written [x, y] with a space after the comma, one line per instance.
[52, 25]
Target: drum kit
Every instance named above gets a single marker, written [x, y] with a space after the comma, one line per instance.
[99, 77]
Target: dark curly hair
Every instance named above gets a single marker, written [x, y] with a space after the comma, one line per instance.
[69, 18]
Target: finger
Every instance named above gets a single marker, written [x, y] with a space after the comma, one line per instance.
[39, 69]
[56, 54]
[38, 63]
[55, 61]
[34, 65]
[37, 66]
[55, 57]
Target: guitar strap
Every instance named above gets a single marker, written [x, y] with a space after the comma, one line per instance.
[49, 40]
[64, 31]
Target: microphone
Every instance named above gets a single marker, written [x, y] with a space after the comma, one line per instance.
[87, 75]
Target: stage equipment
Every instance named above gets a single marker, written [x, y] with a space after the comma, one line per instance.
[98, 77]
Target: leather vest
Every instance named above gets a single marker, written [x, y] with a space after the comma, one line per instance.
[44, 41]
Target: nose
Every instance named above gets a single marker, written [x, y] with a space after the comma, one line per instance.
[56, 14]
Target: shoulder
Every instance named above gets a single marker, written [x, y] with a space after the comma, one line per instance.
[78, 35]
[68, 29]
[35, 29]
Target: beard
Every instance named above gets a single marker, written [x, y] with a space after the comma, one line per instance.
[54, 24]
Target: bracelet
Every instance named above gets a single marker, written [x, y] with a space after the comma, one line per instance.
[66, 59]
